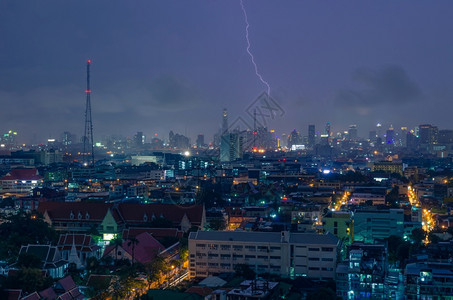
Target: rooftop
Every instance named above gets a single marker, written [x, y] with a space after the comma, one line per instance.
[265, 237]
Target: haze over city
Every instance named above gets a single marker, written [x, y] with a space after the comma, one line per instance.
[174, 65]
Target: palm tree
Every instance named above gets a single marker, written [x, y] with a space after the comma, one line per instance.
[132, 240]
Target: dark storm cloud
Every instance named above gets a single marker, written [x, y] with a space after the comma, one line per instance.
[387, 86]
[148, 98]
[171, 93]
[43, 111]
[174, 65]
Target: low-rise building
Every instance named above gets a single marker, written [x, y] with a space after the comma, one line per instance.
[254, 290]
[143, 248]
[375, 223]
[110, 219]
[373, 195]
[388, 167]
[20, 180]
[339, 223]
[83, 244]
[363, 274]
[283, 253]
[50, 257]
[429, 280]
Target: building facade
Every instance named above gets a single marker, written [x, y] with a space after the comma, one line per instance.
[283, 253]
[429, 281]
[374, 223]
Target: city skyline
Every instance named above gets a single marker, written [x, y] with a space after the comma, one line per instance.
[174, 66]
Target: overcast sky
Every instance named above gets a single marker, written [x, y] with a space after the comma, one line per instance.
[174, 65]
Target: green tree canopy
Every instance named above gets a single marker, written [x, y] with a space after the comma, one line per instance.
[245, 271]
[26, 260]
[29, 280]
[23, 229]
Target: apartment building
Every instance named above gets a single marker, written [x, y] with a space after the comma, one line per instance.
[373, 223]
[284, 253]
[429, 280]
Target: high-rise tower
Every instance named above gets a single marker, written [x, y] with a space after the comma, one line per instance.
[328, 129]
[88, 145]
[311, 136]
[224, 122]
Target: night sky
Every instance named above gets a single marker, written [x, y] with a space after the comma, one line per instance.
[174, 65]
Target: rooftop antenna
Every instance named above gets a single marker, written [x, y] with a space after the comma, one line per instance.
[88, 145]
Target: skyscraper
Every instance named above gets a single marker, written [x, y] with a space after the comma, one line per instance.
[373, 135]
[224, 121]
[445, 137]
[390, 136]
[352, 132]
[403, 137]
[311, 136]
[294, 139]
[379, 130]
[200, 141]
[139, 139]
[428, 134]
[328, 129]
[223, 130]
[68, 138]
[231, 146]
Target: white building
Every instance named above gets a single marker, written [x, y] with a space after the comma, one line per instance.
[284, 253]
[20, 180]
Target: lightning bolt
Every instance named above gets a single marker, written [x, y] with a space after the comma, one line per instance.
[252, 58]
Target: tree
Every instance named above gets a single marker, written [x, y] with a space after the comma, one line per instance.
[403, 252]
[418, 236]
[23, 229]
[132, 240]
[94, 232]
[155, 270]
[391, 199]
[245, 271]
[7, 202]
[176, 263]
[29, 280]
[322, 293]
[26, 260]
[183, 251]
[393, 242]
[433, 238]
[130, 287]
[217, 224]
